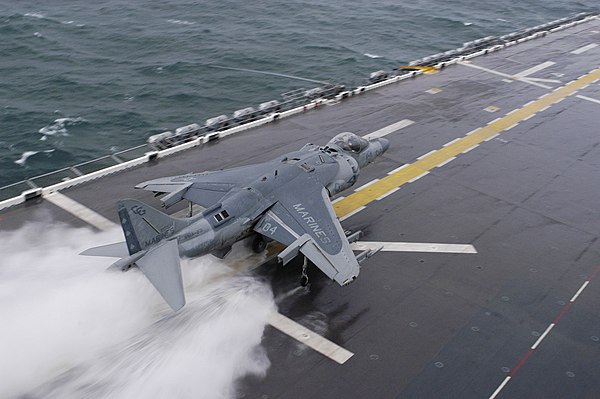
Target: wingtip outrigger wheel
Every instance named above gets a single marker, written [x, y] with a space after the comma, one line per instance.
[304, 276]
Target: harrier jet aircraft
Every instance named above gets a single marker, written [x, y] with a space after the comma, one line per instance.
[286, 200]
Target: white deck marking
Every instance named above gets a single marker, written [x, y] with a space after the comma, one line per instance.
[534, 69]
[452, 142]
[399, 168]
[504, 75]
[447, 161]
[426, 155]
[470, 148]
[498, 134]
[338, 199]
[389, 129]
[543, 80]
[414, 179]
[309, 338]
[367, 184]
[414, 247]
[76, 209]
[588, 99]
[541, 338]
[497, 391]
[388, 193]
[354, 212]
[580, 291]
[584, 48]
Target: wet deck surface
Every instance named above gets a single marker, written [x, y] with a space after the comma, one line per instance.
[425, 325]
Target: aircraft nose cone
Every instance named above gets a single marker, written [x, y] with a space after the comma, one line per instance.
[385, 144]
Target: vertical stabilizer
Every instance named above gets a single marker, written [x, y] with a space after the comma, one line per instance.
[145, 226]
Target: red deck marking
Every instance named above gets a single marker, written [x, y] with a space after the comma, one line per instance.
[523, 360]
[562, 312]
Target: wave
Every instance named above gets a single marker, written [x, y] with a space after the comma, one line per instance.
[21, 161]
[180, 22]
[35, 15]
[372, 55]
[59, 127]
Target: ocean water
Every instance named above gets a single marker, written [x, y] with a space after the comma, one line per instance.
[81, 80]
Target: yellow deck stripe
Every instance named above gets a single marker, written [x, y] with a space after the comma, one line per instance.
[430, 161]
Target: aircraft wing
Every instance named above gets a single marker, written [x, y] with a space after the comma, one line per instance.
[304, 220]
[205, 189]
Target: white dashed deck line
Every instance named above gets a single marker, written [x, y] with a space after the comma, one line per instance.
[428, 154]
[414, 247]
[452, 142]
[367, 184]
[470, 148]
[414, 179]
[541, 338]
[398, 169]
[338, 199]
[447, 161]
[387, 194]
[497, 391]
[309, 338]
[583, 49]
[579, 291]
[389, 129]
[354, 212]
[80, 211]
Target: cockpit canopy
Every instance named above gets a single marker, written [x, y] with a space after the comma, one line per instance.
[350, 142]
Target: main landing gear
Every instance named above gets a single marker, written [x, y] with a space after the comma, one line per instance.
[259, 244]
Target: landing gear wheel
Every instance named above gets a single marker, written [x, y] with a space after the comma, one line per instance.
[304, 281]
[304, 276]
[259, 244]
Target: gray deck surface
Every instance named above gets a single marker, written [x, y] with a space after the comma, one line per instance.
[438, 325]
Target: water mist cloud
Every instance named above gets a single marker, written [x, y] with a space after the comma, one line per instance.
[71, 329]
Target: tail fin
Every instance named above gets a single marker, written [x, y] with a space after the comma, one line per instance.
[147, 230]
[145, 226]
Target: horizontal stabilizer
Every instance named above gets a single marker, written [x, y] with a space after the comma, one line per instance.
[161, 266]
[116, 250]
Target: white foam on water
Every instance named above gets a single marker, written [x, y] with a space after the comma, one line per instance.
[21, 161]
[180, 22]
[372, 55]
[59, 127]
[35, 15]
[70, 329]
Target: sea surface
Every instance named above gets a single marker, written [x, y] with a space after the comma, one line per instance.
[79, 80]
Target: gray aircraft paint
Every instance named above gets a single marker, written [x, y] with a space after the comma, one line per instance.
[285, 199]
